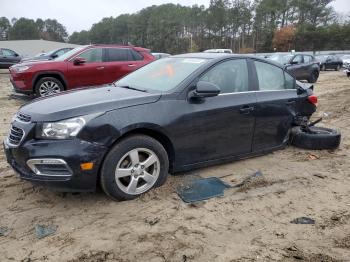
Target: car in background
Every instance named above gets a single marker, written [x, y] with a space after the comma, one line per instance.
[48, 56]
[174, 114]
[160, 55]
[329, 62]
[301, 66]
[90, 65]
[227, 51]
[346, 61]
[8, 58]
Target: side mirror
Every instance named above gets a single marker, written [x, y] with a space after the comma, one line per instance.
[16, 55]
[204, 89]
[79, 61]
[54, 56]
[294, 62]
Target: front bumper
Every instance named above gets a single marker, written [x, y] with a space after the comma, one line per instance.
[73, 152]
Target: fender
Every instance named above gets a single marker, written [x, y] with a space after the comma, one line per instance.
[38, 74]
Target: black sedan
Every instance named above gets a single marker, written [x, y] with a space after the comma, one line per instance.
[175, 114]
[48, 56]
[329, 62]
[8, 58]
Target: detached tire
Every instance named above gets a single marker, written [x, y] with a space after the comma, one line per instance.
[134, 166]
[320, 138]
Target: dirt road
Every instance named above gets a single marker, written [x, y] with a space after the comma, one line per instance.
[249, 224]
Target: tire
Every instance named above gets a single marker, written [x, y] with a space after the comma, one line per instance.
[313, 77]
[337, 68]
[323, 68]
[48, 86]
[320, 138]
[133, 172]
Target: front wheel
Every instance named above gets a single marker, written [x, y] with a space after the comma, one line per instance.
[337, 68]
[48, 86]
[134, 166]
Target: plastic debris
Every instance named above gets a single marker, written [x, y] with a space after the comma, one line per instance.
[44, 231]
[303, 220]
[4, 231]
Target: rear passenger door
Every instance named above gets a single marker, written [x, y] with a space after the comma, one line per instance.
[120, 62]
[276, 106]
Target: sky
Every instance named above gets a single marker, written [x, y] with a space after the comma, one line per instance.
[77, 15]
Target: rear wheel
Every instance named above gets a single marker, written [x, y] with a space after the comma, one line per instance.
[337, 68]
[313, 77]
[323, 68]
[134, 166]
[317, 138]
[48, 86]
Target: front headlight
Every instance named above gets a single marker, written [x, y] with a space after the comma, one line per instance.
[64, 129]
[20, 69]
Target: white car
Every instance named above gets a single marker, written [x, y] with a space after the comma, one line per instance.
[346, 61]
[228, 51]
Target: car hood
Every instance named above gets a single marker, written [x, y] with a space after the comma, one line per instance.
[35, 62]
[85, 101]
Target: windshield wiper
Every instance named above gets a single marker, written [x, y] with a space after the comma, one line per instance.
[133, 88]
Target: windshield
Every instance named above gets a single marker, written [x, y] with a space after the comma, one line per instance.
[282, 59]
[162, 75]
[69, 53]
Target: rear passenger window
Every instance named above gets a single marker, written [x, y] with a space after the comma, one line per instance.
[137, 56]
[270, 77]
[92, 55]
[230, 76]
[120, 54]
[289, 81]
[307, 58]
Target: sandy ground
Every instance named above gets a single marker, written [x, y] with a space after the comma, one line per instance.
[247, 224]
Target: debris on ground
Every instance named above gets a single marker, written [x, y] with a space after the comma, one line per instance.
[152, 221]
[42, 231]
[202, 189]
[4, 231]
[303, 220]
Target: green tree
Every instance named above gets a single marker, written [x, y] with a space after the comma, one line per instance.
[24, 29]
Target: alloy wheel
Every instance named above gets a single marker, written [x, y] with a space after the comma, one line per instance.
[49, 88]
[137, 171]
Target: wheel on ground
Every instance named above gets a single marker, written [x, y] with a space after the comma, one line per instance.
[48, 86]
[323, 68]
[319, 138]
[313, 77]
[337, 68]
[135, 165]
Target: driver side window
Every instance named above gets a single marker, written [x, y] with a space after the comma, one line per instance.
[230, 76]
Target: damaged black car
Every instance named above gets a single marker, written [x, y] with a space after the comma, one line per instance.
[175, 114]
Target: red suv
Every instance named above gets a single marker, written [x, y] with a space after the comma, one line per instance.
[83, 66]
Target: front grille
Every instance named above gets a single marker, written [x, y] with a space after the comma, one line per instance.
[23, 117]
[15, 136]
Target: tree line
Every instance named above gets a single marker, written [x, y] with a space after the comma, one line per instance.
[28, 29]
[245, 26]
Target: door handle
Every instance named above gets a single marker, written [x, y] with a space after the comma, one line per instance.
[246, 109]
[131, 65]
[290, 102]
[100, 67]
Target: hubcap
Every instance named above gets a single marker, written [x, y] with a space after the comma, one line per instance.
[137, 171]
[49, 88]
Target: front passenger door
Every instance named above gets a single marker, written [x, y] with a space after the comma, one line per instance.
[90, 73]
[223, 125]
[276, 105]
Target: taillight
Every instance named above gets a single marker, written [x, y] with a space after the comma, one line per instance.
[312, 99]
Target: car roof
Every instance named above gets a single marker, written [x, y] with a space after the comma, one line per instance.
[220, 56]
[120, 46]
